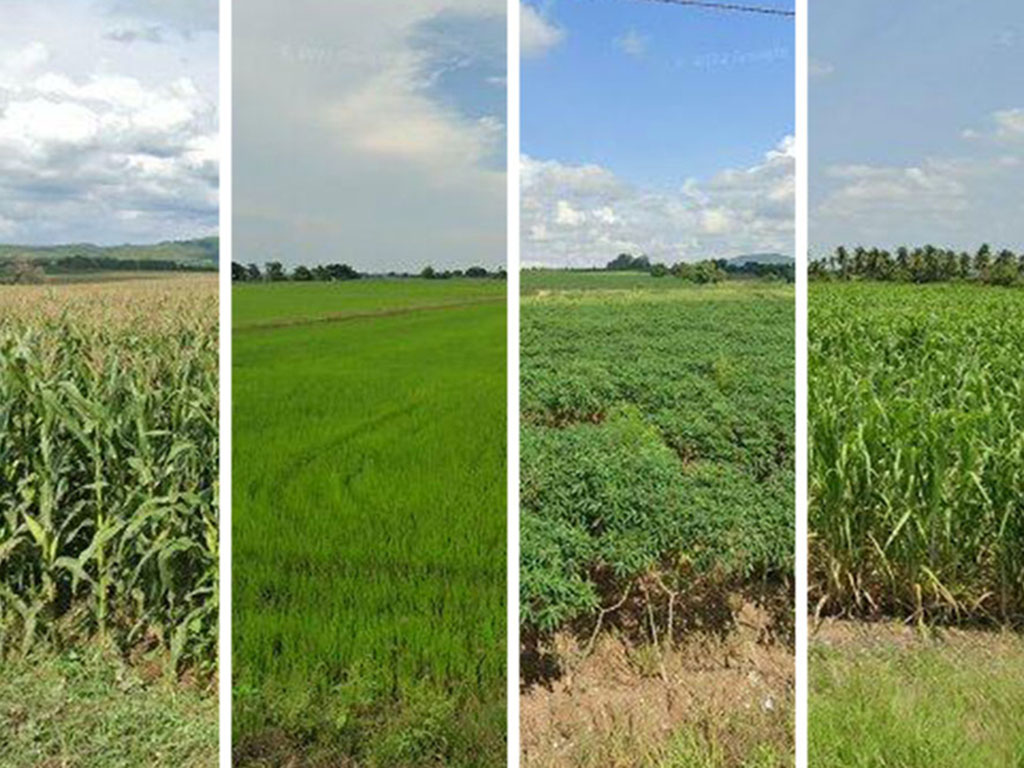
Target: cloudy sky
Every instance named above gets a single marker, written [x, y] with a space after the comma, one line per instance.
[370, 133]
[917, 123]
[108, 120]
[654, 128]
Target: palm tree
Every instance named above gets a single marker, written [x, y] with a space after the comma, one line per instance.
[843, 260]
[965, 264]
[982, 261]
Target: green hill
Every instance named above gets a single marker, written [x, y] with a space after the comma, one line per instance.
[196, 254]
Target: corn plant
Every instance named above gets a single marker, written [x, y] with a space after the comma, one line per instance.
[916, 418]
[108, 466]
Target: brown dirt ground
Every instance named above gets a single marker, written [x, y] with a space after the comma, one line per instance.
[623, 692]
[853, 636]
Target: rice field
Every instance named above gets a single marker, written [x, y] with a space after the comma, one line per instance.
[369, 523]
[916, 407]
[108, 467]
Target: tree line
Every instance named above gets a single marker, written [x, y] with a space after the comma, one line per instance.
[274, 271]
[706, 271]
[926, 264]
[26, 270]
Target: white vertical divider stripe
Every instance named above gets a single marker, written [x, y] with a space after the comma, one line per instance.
[801, 380]
[512, 256]
[226, 254]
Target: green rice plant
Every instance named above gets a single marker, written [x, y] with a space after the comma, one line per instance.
[369, 523]
[108, 466]
[916, 438]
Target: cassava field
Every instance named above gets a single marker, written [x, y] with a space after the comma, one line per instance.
[657, 520]
[369, 523]
[108, 518]
[916, 518]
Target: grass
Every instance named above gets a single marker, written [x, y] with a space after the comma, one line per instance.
[532, 281]
[928, 705]
[718, 746]
[87, 709]
[747, 740]
[726, 745]
[916, 402]
[369, 526]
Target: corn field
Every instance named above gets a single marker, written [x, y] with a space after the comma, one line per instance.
[108, 466]
[916, 412]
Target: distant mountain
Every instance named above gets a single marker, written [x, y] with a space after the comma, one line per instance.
[760, 258]
[201, 252]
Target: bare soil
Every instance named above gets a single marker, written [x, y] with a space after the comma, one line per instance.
[851, 635]
[631, 694]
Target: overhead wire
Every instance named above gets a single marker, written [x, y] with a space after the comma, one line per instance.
[762, 9]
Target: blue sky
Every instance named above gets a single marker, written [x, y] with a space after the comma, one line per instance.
[916, 123]
[108, 121]
[680, 116]
[370, 133]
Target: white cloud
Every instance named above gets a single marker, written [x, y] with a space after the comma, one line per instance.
[586, 179]
[1005, 125]
[867, 191]
[537, 34]
[99, 142]
[819, 68]
[582, 215]
[954, 200]
[25, 59]
[568, 216]
[632, 43]
[355, 142]
[716, 221]
[187, 16]
[391, 117]
[1009, 123]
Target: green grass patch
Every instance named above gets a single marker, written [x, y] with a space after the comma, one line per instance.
[532, 281]
[83, 709]
[918, 707]
[747, 740]
[728, 745]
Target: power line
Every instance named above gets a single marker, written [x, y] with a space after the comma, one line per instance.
[730, 7]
